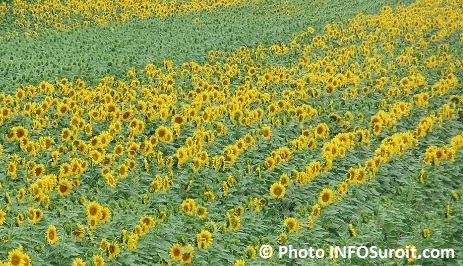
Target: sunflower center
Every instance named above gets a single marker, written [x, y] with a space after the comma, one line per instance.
[15, 260]
[93, 211]
[63, 188]
[326, 197]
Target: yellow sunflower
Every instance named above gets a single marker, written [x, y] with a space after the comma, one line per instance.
[187, 256]
[64, 187]
[105, 215]
[176, 252]
[293, 224]
[2, 217]
[204, 239]
[277, 190]
[113, 250]
[15, 257]
[78, 262]
[326, 197]
[93, 210]
[98, 260]
[52, 235]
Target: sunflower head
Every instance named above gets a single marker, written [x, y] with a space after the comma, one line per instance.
[277, 190]
[52, 235]
[93, 210]
[326, 197]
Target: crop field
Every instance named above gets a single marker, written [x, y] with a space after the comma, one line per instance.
[231, 132]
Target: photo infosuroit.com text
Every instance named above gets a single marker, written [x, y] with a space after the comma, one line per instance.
[361, 252]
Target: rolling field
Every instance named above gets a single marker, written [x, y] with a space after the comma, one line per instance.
[211, 132]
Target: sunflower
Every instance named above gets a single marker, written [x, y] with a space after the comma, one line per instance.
[118, 149]
[439, 155]
[52, 235]
[20, 132]
[93, 210]
[293, 224]
[79, 232]
[163, 133]
[284, 180]
[16, 257]
[282, 238]
[326, 197]
[20, 93]
[12, 170]
[7, 198]
[104, 244]
[182, 156]
[123, 171]
[204, 239]
[2, 217]
[78, 262]
[249, 140]
[105, 215]
[321, 130]
[209, 196]
[221, 129]
[239, 263]
[377, 129]
[426, 233]
[113, 250]
[352, 231]
[203, 156]
[343, 187]
[361, 175]
[132, 242]
[5, 112]
[35, 215]
[239, 210]
[310, 222]
[201, 212]
[316, 210]
[277, 190]
[105, 171]
[92, 222]
[189, 206]
[231, 181]
[334, 151]
[266, 132]
[66, 134]
[225, 188]
[196, 164]
[251, 252]
[269, 163]
[111, 181]
[178, 120]
[62, 109]
[19, 219]
[234, 222]
[176, 251]
[95, 142]
[187, 256]
[98, 260]
[148, 221]
[352, 175]
[96, 156]
[64, 187]
[241, 144]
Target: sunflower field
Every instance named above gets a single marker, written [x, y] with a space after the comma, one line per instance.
[168, 132]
